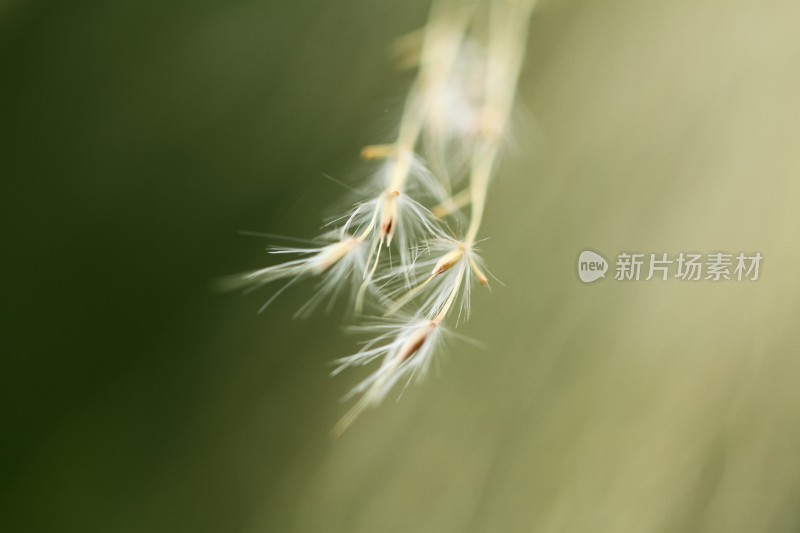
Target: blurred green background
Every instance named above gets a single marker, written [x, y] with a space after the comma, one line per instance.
[138, 137]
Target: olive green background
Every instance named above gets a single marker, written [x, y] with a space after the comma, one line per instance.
[138, 137]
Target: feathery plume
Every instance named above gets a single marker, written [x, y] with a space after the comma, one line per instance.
[457, 113]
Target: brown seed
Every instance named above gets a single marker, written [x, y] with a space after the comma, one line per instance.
[447, 261]
[415, 342]
[389, 216]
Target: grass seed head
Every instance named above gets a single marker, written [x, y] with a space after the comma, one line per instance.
[389, 215]
[377, 151]
[332, 254]
[448, 260]
[415, 341]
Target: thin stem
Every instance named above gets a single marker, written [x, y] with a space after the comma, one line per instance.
[450, 299]
[364, 234]
[508, 31]
[482, 164]
[442, 41]
[452, 204]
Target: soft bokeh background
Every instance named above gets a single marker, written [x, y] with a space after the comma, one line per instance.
[137, 137]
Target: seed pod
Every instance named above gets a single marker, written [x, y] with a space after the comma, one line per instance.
[447, 261]
[415, 342]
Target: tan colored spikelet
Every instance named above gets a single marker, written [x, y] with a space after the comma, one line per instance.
[447, 261]
[377, 151]
[415, 342]
[389, 216]
[332, 254]
[479, 275]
